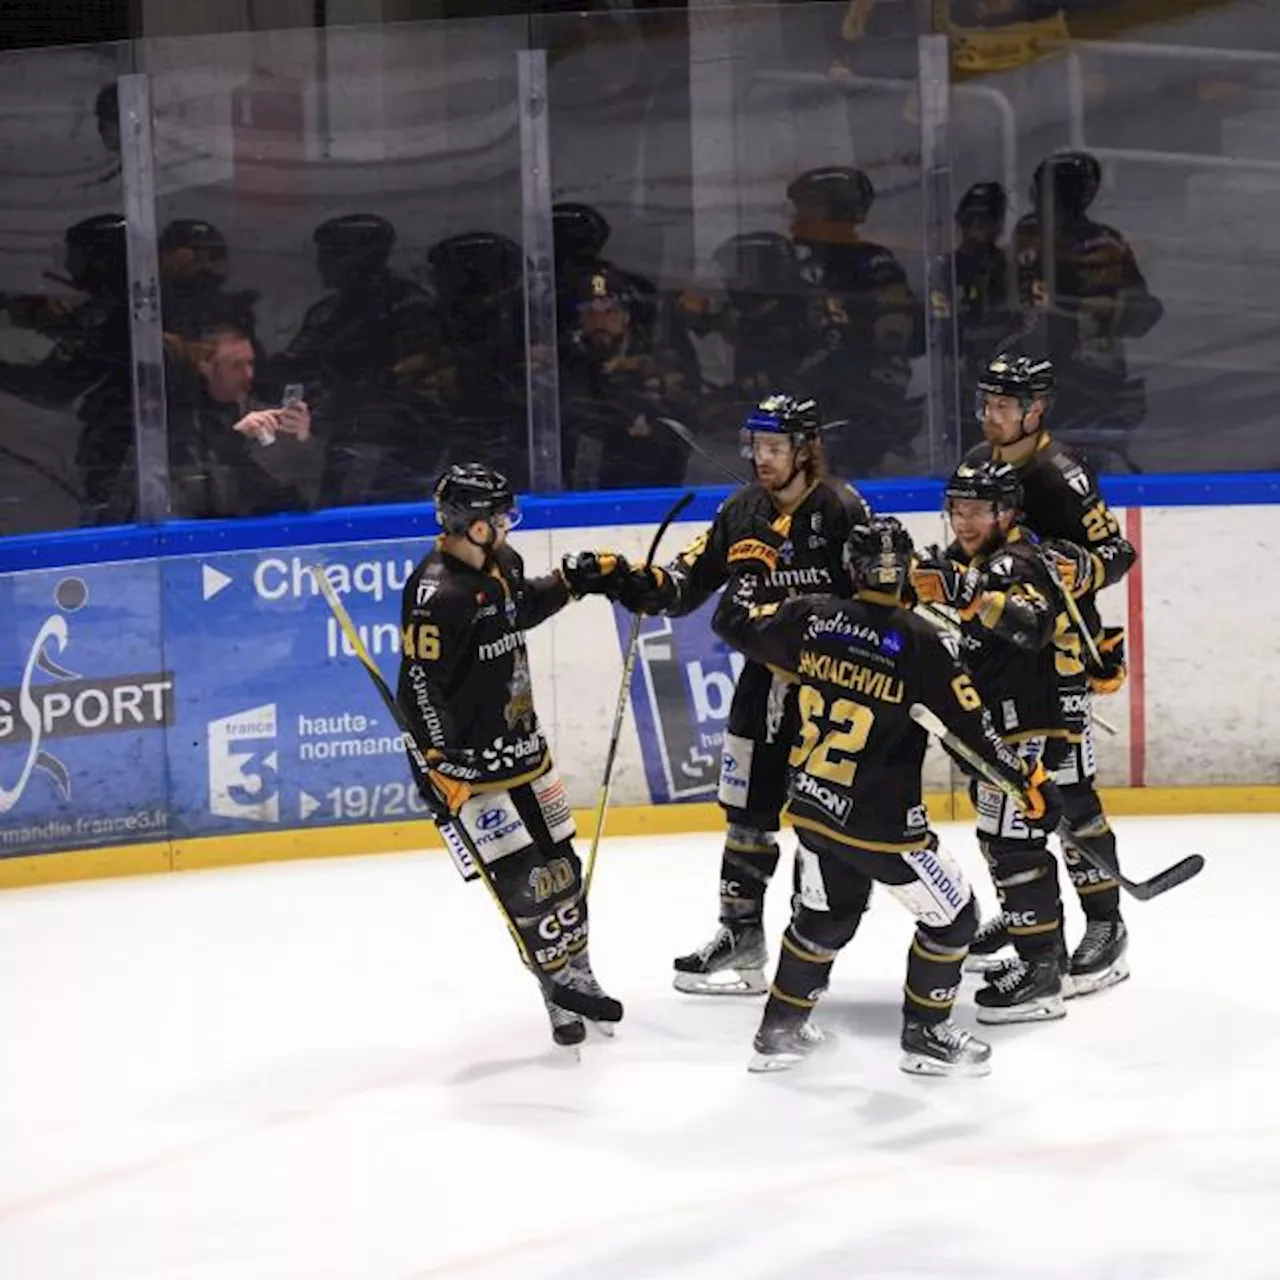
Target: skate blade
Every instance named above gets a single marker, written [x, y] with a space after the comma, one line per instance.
[764, 1063]
[985, 964]
[742, 982]
[605, 1030]
[1088, 984]
[1046, 1009]
[920, 1064]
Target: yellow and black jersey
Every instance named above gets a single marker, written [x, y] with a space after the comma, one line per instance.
[1010, 643]
[464, 682]
[860, 667]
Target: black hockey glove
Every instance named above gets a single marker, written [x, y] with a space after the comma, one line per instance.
[1078, 569]
[594, 573]
[938, 580]
[645, 590]
[446, 788]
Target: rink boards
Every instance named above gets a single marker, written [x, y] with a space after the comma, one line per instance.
[180, 697]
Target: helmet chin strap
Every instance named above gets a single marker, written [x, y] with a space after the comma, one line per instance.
[485, 548]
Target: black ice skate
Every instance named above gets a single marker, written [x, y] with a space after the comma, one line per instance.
[731, 964]
[1099, 961]
[1024, 991]
[582, 979]
[992, 936]
[567, 1029]
[943, 1049]
[780, 1045]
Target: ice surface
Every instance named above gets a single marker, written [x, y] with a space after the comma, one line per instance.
[338, 1069]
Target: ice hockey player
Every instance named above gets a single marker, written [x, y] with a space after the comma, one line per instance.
[791, 502]
[863, 664]
[1062, 505]
[995, 575]
[466, 689]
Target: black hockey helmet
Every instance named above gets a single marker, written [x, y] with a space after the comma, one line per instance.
[782, 415]
[579, 231]
[351, 245]
[758, 262]
[482, 262]
[878, 555]
[983, 202]
[470, 491]
[845, 192]
[1074, 179]
[989, 481]
[1028, 378]
[190, 248]
[96, 254]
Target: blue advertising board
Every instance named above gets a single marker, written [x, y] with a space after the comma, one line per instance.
[242, 711]
[681, 688]
[86, 700]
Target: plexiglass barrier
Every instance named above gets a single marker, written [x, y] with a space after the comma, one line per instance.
[295, 270]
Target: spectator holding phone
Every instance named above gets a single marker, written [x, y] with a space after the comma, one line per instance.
[219, 438]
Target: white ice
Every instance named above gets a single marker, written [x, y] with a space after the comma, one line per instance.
[338, 1069]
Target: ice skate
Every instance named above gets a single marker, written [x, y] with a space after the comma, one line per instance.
[992, 937]
[568, 1030]
[731, 964]
[582, 979]
[780, 1045]
[943, 1049]
[1023, 991]
[1099, 961]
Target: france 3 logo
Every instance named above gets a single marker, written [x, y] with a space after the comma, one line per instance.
[681, 690]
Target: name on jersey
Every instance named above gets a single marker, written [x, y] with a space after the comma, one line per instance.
[851, 675]
[499, 648]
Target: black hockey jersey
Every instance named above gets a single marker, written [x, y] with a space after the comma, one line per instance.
[464, 670]
[856, 765]
[810, 560]
[1060, 499]
[1009, 647]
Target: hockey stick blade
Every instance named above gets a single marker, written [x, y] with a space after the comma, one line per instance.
[1170, 878]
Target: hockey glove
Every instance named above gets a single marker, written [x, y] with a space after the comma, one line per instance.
[445, 792]
[594, 573]
[1114, 672]
[645, 590]
[1078, 569]
[938, 580]
[1043, 800]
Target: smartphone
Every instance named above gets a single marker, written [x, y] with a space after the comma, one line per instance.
[293, 394]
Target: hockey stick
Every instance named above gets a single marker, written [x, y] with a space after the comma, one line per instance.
[1077, 618]
[619, 711]
[944, 622]
[454, 834]
[1143, 890]
[686, 437]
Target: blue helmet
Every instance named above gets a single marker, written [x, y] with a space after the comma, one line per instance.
[784, 416]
